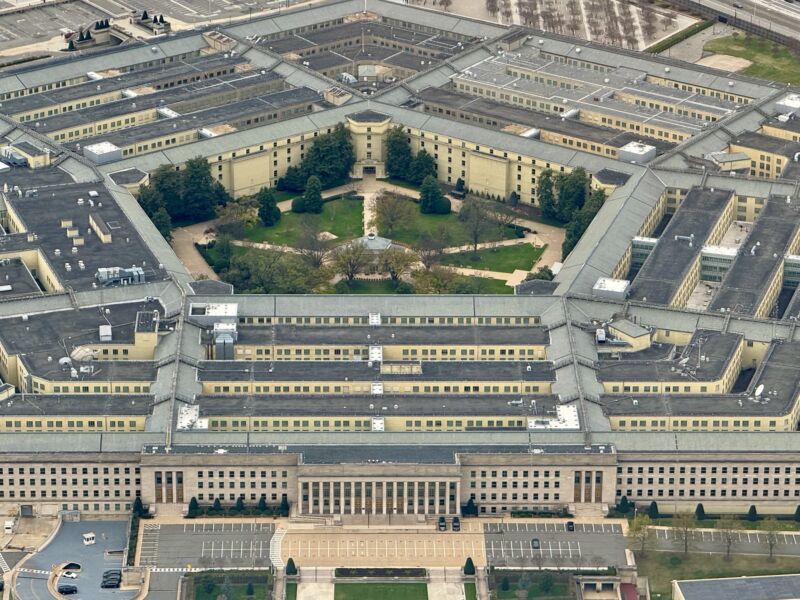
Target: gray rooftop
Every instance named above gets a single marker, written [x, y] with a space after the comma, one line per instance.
[769, 587]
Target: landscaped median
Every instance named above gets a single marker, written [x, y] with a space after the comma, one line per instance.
[233, 585]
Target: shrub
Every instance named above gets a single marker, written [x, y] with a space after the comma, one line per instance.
[652, 510]
[699, 512]
[291, 569]
[752, 514]
[194, 508]
[623, 506]
[469, 567]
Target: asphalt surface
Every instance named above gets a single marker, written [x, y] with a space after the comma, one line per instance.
[206, 545]
[777, 15]
[42, 22]
[163, 586]
[745, 542]
[67, 546]
[589, 545]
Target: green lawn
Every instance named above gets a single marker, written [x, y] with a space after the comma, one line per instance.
[291, 591]
[371, 287]
[382, 591]
[208, 586]
[470, 593]
[446, 227]
[343, 217]
[401, 183]
[561, 589]
[663, 567]
[775, 64]
[505, 259]
[486, 285]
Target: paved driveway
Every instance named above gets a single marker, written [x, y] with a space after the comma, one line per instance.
[68, 546]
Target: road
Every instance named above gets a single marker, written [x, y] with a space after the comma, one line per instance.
[776, 15]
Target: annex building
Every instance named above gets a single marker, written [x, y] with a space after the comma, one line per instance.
[662, 363]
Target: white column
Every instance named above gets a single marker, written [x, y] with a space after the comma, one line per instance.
[416, 496]
[383, 497]
[363, 497]
[352, 497]
[427, 498]
[436, 497]
[341, 497]
[299, 497]
[374, 489]
[394, 497]
[458, 497]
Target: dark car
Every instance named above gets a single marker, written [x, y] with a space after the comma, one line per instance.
[110, 572]
[456, 524]
[442, 524]
[66, 590]
[535, 544]
[570, 525]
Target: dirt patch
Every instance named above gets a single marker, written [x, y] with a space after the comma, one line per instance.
[725, 62]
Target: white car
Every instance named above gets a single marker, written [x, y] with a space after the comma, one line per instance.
[69, 575]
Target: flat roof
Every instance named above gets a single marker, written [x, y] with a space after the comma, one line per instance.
[363, 371]
[16, 276]
[664, 269]
[767, 143]
[389, 335]
[761, 253]
[767, 587]
[76, 405]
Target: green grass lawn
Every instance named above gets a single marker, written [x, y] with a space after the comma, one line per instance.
[382, 591]
[780, 65]
[209, 586]
[291, 591]
[371, 287]
[561, 589]
[401, 183]
[486, 285]
[505, 259]
[663, 567]
[343, 217]
[446, 227]
[470, 593]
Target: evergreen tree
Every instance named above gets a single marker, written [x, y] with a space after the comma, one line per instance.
[623, 506]
[217, 506]
[249, 590]
[330, 158]
[581, 220]
[88, 35]
[312, 196]
[752, 514]
[546, 195]
[470, 508]
[459, 185]
[431, 197]
[284, 509]
[268, 211]
[71, 46]
[224, 252]
[469, 567]
[398, 154]
[298, 204]
[699, 512]
[505, 584]
[194, 508]
[81, 36]
[239, 506]
[163, 223]
[513, 199]
[572, 189]
[199, 194]
[797, 514]
[423, 166]
[290, 568]
[145, 16]
[262, 505]
[166, 182]
[138, 507]
[652, 511]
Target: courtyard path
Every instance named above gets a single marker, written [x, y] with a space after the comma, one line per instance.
[183, 243]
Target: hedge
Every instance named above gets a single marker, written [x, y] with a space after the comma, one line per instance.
[680, 36]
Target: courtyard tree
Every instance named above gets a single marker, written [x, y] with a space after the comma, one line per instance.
[391, 210]
[312, 195]
[546, 273]
[310, 242]
[351, 260]
[398, 154]
[431, 199]
[476, 221]
[546, 195]
[397, 262]
[162, 222]
[330, 158]
[199, 191]
[581, 220]
[268, 212]
[422, 167]
[431, 246]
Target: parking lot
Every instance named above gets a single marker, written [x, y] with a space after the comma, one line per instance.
[67, 546]
[201, 10]
[744, 542]
[205, 545]
[40, 23]
[590, 545]
[402, 548]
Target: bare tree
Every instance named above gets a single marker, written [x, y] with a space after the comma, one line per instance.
[431, 246]
[770, 528]
[310, 244]
[639, 531]
[391, 210]
[727, 527]
[475, 217]
[684, 524]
